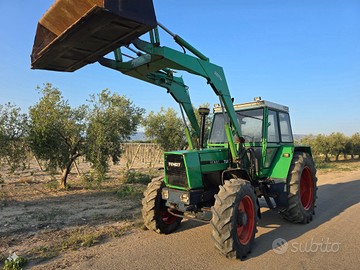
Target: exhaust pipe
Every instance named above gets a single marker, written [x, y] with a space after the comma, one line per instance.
[203, 113]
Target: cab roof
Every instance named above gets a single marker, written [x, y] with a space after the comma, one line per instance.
[255, 104]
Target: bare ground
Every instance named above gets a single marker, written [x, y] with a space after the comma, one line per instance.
[41, 223]
[38, 221]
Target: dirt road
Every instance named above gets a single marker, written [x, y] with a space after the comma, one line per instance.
[330, 241]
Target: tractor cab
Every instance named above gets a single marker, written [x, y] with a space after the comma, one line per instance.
[265, 128]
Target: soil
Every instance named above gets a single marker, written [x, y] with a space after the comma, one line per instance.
[40, 222]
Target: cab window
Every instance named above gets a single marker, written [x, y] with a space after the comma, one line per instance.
[285, 127]
[273, 129]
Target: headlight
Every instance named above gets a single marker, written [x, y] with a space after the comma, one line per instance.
[165, 194]
[185, 198]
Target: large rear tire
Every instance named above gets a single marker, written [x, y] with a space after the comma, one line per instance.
[155, 214]
[301, 188]
[234, 219]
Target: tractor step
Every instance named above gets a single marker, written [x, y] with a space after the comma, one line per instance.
[73, 33]
[267, 197]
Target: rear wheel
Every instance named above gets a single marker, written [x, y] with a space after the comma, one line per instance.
[234, 219]
[301, 189]
[155, 214]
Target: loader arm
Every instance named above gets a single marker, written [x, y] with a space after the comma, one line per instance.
[72, 34]
[149, 67]
[174, 85]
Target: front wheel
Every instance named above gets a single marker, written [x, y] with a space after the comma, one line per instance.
[234, 219]
[301, 189]
[155, 214]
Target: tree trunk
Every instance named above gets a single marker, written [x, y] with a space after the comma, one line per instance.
[65, 175]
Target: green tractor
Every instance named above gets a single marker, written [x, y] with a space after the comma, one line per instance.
[208, 185]
[249, 153]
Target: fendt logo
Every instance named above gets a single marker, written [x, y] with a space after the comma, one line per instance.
[174, 164]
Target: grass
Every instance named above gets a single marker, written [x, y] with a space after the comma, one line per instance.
[127, 192]
[133, 177]
[51, 215]
[4, 203]
[80, 237]
[52, 184]
[337, 166]
[130, 178]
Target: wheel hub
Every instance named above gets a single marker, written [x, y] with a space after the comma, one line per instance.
[241, 218]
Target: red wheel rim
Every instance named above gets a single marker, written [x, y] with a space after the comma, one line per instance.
[245, 232]
[306, 188]
[167, 218]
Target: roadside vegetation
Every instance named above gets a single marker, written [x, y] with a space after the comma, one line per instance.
[330, 147]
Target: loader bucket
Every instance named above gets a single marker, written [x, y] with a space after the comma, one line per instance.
[74, 33]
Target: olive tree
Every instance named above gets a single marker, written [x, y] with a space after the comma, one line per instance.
[166, 129]
[337, 143]
[112, 119]
[322, 146]
[13, 128]
[355, 145]
[59, 134]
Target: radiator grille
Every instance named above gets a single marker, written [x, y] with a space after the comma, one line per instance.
[175, 170]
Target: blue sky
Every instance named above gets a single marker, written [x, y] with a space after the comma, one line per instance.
[304, 54]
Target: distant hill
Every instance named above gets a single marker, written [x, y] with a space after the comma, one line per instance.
[138, 137]
[299, 136]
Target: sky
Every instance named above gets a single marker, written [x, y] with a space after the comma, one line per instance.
[304, 54]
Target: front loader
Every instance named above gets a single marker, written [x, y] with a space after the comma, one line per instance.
[249, 153]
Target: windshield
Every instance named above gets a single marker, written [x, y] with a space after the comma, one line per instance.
[250, 122]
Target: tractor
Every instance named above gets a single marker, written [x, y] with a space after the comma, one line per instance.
[250, 151]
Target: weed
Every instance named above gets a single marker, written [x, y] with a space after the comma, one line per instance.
[14, 262]
[88, 185]
[91, 178]
[51, 215]
[46, 252]
[79, 236]
[132, 177]
[89, 240]
[126, 192]
[116, 234]
[52, 184]
[335, 166]
[96, 216]
[5, 203]
[32, 173]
